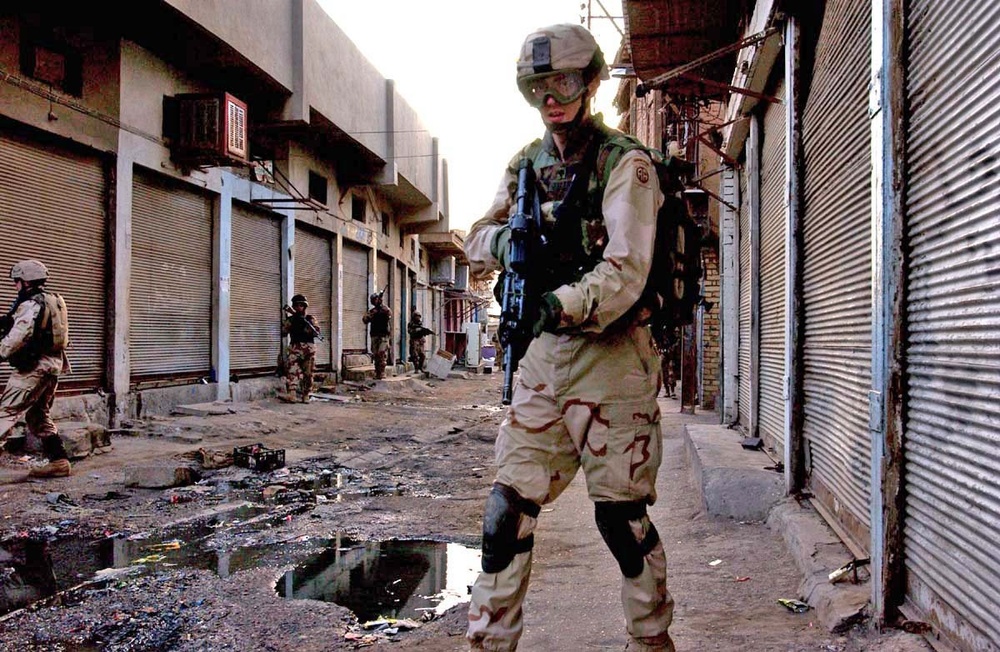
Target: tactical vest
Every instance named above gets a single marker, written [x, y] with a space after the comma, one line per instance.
[577, 237]
[299, 331]
[379, 322]
[50, 333]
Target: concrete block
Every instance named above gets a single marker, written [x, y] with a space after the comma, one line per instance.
[732, 480]
[160, 476]
[352, 360]
[205, 409]
[439, 365]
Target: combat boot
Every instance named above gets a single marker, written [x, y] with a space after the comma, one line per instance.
[662, 643]
[54, 469]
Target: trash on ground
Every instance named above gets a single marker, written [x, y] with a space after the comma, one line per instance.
[715, 562]
[850, 569]
[258, 457]
[742, 579]
[795, 606]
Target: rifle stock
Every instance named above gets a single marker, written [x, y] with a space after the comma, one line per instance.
[520, 295]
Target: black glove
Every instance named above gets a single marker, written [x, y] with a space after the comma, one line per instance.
[549, 315]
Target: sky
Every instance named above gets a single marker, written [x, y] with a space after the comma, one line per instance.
[454, 62]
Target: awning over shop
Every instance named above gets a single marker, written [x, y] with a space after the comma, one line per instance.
[440, 245]
[665, 34]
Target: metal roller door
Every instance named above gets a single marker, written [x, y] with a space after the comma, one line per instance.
[52, 208]
[255, 308]
[314, 278]
[837, 268]
[171, 322]
[355, 295]
[771, 423]
[951, 442]
[746, 301]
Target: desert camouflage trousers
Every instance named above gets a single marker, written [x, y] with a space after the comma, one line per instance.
[580, 401]
[380, 353]
[29, 395]
[417, 355]
[299, 363]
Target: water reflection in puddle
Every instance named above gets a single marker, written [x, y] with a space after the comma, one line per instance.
[391, 579]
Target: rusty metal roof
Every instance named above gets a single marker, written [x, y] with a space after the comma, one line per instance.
[664, 34]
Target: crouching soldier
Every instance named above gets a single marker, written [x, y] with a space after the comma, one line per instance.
[35, 334]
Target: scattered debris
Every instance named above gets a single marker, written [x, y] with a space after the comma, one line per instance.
[258, 457]
[795, 606]
[850, 569]
[742, 579]
[752, 443]
[715, 562]
[160, 477]
[915, 627]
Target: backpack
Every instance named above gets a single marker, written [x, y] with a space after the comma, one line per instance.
[676, 272]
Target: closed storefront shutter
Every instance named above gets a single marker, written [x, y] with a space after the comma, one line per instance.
[314, 278]
[951, 441]
[355, 295]
[772, 277]
[746, 302]
[52, 209]
[171, 322]
[837, 268]
[255, 308]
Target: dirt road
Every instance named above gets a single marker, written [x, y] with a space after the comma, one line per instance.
[378, 505]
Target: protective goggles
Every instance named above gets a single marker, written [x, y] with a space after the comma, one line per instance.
[563, 85]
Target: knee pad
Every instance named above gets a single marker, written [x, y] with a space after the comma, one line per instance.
[613, 523]
[504, 507]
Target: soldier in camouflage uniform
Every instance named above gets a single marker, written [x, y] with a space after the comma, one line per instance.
[301, 329]
[378, 319]
[35, 334]
[415, 329]
[586, 392]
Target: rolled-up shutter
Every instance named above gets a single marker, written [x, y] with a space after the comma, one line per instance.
[52, 208]
[746, 302]
[772, 277]
[355, 295]
[314, 279]
[171, 322]
[255, 308]
[951, 441]
[837, 267]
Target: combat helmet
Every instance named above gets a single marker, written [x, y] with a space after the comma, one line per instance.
[568, 49]
[300, 298]
[29, 271]
[375, 296]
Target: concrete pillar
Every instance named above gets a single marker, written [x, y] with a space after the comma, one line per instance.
[337, 298]
[221, 300]
[729, 309]
[121, 252]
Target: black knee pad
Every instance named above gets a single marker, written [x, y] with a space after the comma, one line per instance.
[613, 523]
[504, 507]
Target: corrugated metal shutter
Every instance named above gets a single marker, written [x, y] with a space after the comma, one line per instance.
[52, 209]
[771, 424]
[255, 308]
[314, 278]
[746, 302]
[837, 266]
[355, 295]
[171, 322]
[951, 440]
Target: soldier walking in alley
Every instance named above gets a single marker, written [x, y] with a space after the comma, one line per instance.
[35, 334]
[586, 395]
[302, 331]
[417, 332]
[378, 319]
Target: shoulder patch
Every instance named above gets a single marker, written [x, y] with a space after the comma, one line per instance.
[641, 169]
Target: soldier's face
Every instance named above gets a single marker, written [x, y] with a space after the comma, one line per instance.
[554, 113]
[300, 308]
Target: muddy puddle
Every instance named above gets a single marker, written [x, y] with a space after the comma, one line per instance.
[386, 579]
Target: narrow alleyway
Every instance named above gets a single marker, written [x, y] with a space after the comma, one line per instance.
[404, 460]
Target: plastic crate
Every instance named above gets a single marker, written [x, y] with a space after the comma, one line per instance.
[257, 457]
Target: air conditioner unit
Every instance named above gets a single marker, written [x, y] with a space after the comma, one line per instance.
[211, 129]
[443, 271]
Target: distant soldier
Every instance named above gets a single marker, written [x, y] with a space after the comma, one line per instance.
[417, 334]
[302, 331]
[378, 319]
[35, 334]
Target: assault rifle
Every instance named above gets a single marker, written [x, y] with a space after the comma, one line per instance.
[7, 320]
[315, 329]
[519, 305]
